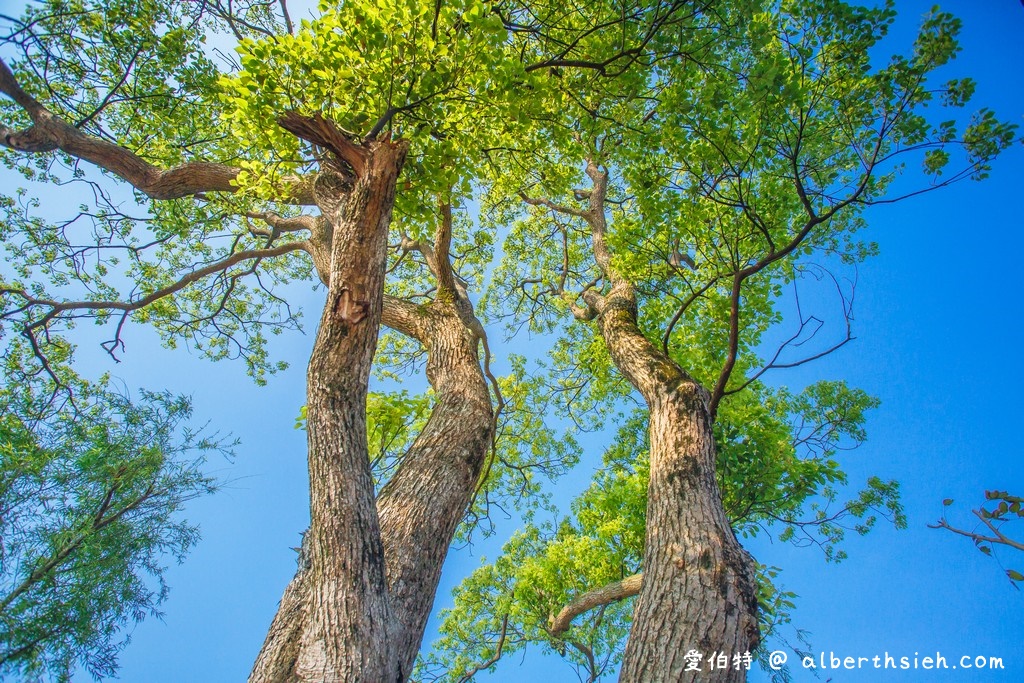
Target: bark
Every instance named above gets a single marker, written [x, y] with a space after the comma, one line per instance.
[357, 608]
[343, 595]
[421, 506]
[698, 587]
[604, 595]
[277, 658]
[698, 583]
[423, 503]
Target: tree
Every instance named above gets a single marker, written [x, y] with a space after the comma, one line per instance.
[670, 168]
[677, 261]
[91, 502]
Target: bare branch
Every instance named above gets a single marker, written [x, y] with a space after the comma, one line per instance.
[598, 221]
[734, 337]
[403, 316]
[975, 536]
[774, 363]
[279, 224]
[482, 666]
[57, 307]
[540, 201]
[287, 17]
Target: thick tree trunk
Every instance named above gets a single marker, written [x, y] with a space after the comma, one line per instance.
[345, 606]
[346, 635]
[422, 505]
[698, 589]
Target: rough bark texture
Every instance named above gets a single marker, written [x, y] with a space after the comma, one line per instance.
[423, 503]
[277, 658]
[698, 587]
[605, 595]
[49, 132]
[347, 616]
[357, 608]
[346, 633]
[421, 506]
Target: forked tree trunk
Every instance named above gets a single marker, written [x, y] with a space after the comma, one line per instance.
[699, 588]
[418, 509]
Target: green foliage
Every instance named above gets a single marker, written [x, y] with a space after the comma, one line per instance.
[425, 72]
[103, 256]
[140, 73]
[91, 505]
[742, 144]
[528, 452]
[778, 475]
[392, 422]
[753, 158]
[110, 64]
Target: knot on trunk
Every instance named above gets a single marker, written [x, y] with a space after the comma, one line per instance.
[330, 190]
[32, 139]
[351, 304]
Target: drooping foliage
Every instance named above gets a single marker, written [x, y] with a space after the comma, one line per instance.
[91, 503]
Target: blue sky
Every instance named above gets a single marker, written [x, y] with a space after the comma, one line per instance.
[938, 321]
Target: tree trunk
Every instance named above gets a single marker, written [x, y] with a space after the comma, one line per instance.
[279, 654]
[699, 588]
[423, 503]
[345, 607]
[421, 506]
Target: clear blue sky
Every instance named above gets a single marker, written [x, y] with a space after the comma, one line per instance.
[939, 329]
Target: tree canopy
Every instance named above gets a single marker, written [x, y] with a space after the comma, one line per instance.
[92, 501]
[653, 188]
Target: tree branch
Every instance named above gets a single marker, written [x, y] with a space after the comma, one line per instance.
[280, 224]
[50, 132]
[597, 220]
[540, 201]
[403, 316]
[57, 307]
[325, 133]
[613, 592]
[999, 538]
[493, 659]
[442, 259]
[734, 338]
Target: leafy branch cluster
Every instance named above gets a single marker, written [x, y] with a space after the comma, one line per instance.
[90, 511]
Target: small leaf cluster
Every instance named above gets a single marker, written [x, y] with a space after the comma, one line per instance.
[1000, 508]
